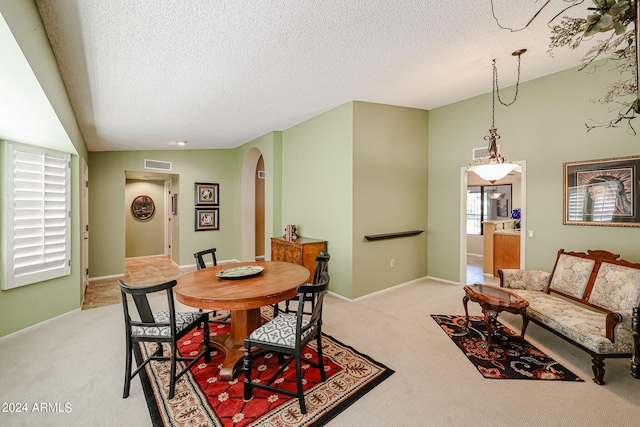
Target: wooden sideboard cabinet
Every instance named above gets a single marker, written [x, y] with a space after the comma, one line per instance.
[302, 251]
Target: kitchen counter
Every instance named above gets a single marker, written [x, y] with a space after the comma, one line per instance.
[511, 231]
[501, 246]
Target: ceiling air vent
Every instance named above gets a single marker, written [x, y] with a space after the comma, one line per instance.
[157, 165]
[479, 153]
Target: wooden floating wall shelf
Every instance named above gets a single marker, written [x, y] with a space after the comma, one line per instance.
[393, 235]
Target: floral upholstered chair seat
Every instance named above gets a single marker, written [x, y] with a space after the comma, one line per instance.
[182, 321]
[280, 331]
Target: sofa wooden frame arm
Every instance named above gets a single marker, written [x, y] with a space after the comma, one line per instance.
[613, 319]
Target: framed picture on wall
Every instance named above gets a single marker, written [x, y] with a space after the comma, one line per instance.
[206, 194]
[142, 207]
[207, 219]
[602, 192]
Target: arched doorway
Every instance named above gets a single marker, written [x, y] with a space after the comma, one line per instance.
[248, 204]
[260, 231]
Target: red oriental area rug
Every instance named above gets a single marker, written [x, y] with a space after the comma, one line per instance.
[203, 399]
[506, 359]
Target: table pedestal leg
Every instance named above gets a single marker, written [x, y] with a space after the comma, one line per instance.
[243, 322]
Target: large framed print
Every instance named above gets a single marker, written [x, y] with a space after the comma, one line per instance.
[602, 192]
[206, 194]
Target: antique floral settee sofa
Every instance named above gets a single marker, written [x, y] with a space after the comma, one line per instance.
[589, 299]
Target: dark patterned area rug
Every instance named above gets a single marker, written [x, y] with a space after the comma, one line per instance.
[506, 358]
[203, 399]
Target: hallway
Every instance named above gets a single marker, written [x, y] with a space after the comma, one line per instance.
[139, 271]
[475, 272]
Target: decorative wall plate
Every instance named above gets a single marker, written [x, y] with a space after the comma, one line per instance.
[240, 272]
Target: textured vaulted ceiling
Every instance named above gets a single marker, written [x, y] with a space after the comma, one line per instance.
[142, 74]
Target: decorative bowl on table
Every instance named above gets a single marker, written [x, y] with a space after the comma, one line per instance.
[236, 273]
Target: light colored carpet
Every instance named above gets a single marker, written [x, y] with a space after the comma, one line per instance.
[78, 359]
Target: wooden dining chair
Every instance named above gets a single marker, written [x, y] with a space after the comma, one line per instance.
[166, 326]
[201, 264]
[289, 334]
[321, 266]
[199, 256]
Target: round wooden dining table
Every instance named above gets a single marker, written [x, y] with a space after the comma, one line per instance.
[243, 297]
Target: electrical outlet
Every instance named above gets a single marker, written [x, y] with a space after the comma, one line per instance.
[392, 263]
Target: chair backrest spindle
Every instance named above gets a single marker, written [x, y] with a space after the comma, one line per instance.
[318, 291]
[139, 295]
[321, 265]
[199, 256]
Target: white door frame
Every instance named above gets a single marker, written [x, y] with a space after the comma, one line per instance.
[463, 218]
[85, 229]
[167, 219]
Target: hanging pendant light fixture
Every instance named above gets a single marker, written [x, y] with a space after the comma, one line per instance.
[493, 166]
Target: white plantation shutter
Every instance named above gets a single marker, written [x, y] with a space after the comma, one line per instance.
[36, 201]
[602, 207]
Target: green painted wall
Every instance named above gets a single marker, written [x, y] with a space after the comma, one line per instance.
[389, 194]
[107, 204]
[270, 146]
[28, 305]
[317, 183]
[341, 175]
[545, 127]
[144, 237]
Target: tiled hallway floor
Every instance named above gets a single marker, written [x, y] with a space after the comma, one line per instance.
[475, 274]
[140, 271]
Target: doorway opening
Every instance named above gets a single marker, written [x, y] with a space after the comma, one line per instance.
[250, 211]
[259, 217]
[149, 235]
[476, 266]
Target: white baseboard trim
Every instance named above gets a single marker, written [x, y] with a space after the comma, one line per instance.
[149, 256]
[28, 328]
[181, 267]
[396, 287]
[342, 297]
[444, 281]
[113, 276]
[388, 289]
[209, 264]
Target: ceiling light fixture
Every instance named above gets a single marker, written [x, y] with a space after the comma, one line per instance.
[181, 142]
[493, 166]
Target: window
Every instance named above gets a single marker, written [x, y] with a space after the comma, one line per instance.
[36, 204]
[487, 203]
[474, 211]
